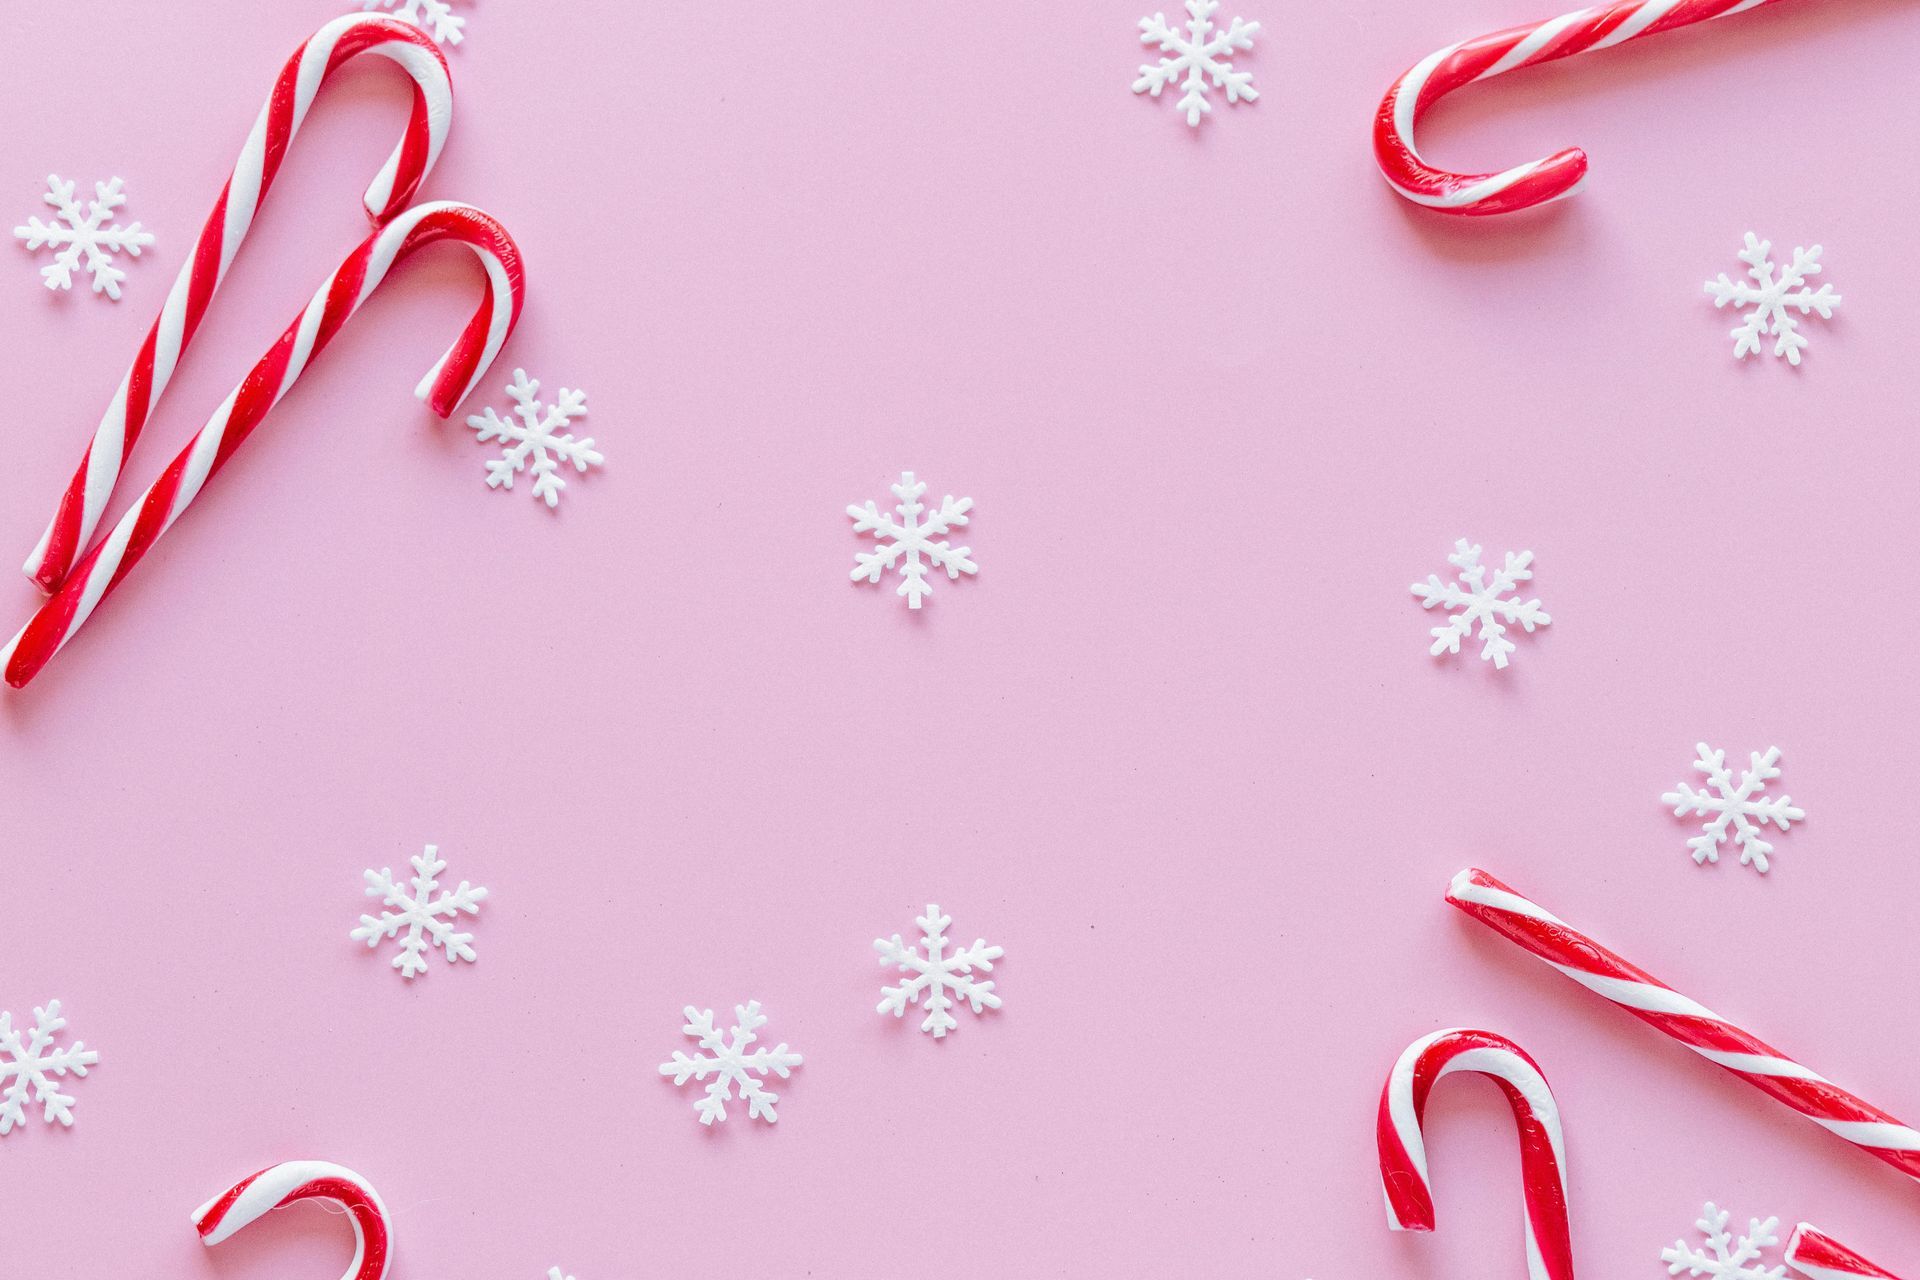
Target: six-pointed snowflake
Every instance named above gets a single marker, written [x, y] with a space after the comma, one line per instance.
[729, 1062]
[1734, 807]
[906, 540]
[80, 232]
[530, 434]
[936, 973]
[436, 17]
[30, 1063]
[1771, 299]
[1482, 601]
[420, 913]
[1722, 1259]
[1200, 51]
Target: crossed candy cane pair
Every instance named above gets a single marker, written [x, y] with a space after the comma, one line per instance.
[79, 579]
[1403, 1163]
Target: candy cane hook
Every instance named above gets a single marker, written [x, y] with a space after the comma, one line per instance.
[333, 46]
[1540, 181]
[1543, 1162]
[1818, 1256]
[445, 385]
[282, 1184]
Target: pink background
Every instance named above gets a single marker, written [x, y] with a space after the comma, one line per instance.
[1179, 748]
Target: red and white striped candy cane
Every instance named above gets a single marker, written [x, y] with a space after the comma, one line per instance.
[1693, 1025]
[1439, 74]
[339, 42]
[445, 385]
[1816, 1254]
[281, 1185]
[1543, 1164]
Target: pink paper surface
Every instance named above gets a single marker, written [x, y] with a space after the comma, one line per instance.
[1219, 397]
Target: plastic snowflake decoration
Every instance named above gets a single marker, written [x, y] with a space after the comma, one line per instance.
[530, 435]
[553, 1273]
[728, 1061]
[435, 17]
[80, 233]
[428, 920]
[1201, 50]
[1722, 1259]
[1772, 299]
[906, 540]
[1478, 600]
[30, 1063]
[936, 973]
[1741, 809]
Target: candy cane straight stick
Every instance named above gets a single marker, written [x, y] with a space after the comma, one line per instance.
[1539, 181]
[445, 385]
[1543, 1162]
[1815, 1254]
[336, 44]
[281, 1185]
[1698, 1028]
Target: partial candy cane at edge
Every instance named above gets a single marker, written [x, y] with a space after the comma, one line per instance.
[283, 1184]
[334, 45]
[1818, 1256]
[1539, 181]
[445, 385]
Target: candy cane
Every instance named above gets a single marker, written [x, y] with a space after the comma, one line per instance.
[1543, 1166]
[1523, 186]
[445, 385]
[339, 42]
[1814, 1253]
[1706, 1033]
[282, 1184]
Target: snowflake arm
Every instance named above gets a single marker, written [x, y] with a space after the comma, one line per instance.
[1480, 601]
[531, 437]
[32, 1069]
[728, 1060]
[908, 541]
[937, 973]
[82, 234]
[1740, 810]
[1772, 299]
[436, 17]
[1198, 51]
[427, 920]
[1722, 1258]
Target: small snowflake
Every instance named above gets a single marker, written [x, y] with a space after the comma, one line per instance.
[1740, 1264]
[553, 1273]
[1734, 806]
[436, 17]
[910, 539]
[530, 433]
[1481, 601]
[1198, 53]
[79, 232]
[1771, 299]
[730, 1063]
[32, 1063]
[936, 973]
[419, 913]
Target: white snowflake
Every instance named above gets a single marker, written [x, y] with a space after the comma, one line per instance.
[79, 232]
[419, 913]
[1734, 806]
[1771, 299]
[731, 1063]
[531, 433]
[553, 1273]
[1198, 52]
[1739, 1264]
[936, 973]
[436, 17]
[1481, 601]
[910, 540]
[33, 1064]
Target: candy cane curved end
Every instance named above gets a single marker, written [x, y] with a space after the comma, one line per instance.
[1403, 1148]
[1817, 1255]
[1541, 181]
[282, 1184]
[85, 499]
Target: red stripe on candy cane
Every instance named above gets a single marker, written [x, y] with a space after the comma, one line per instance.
[1819, 1256]
[283, 1184]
